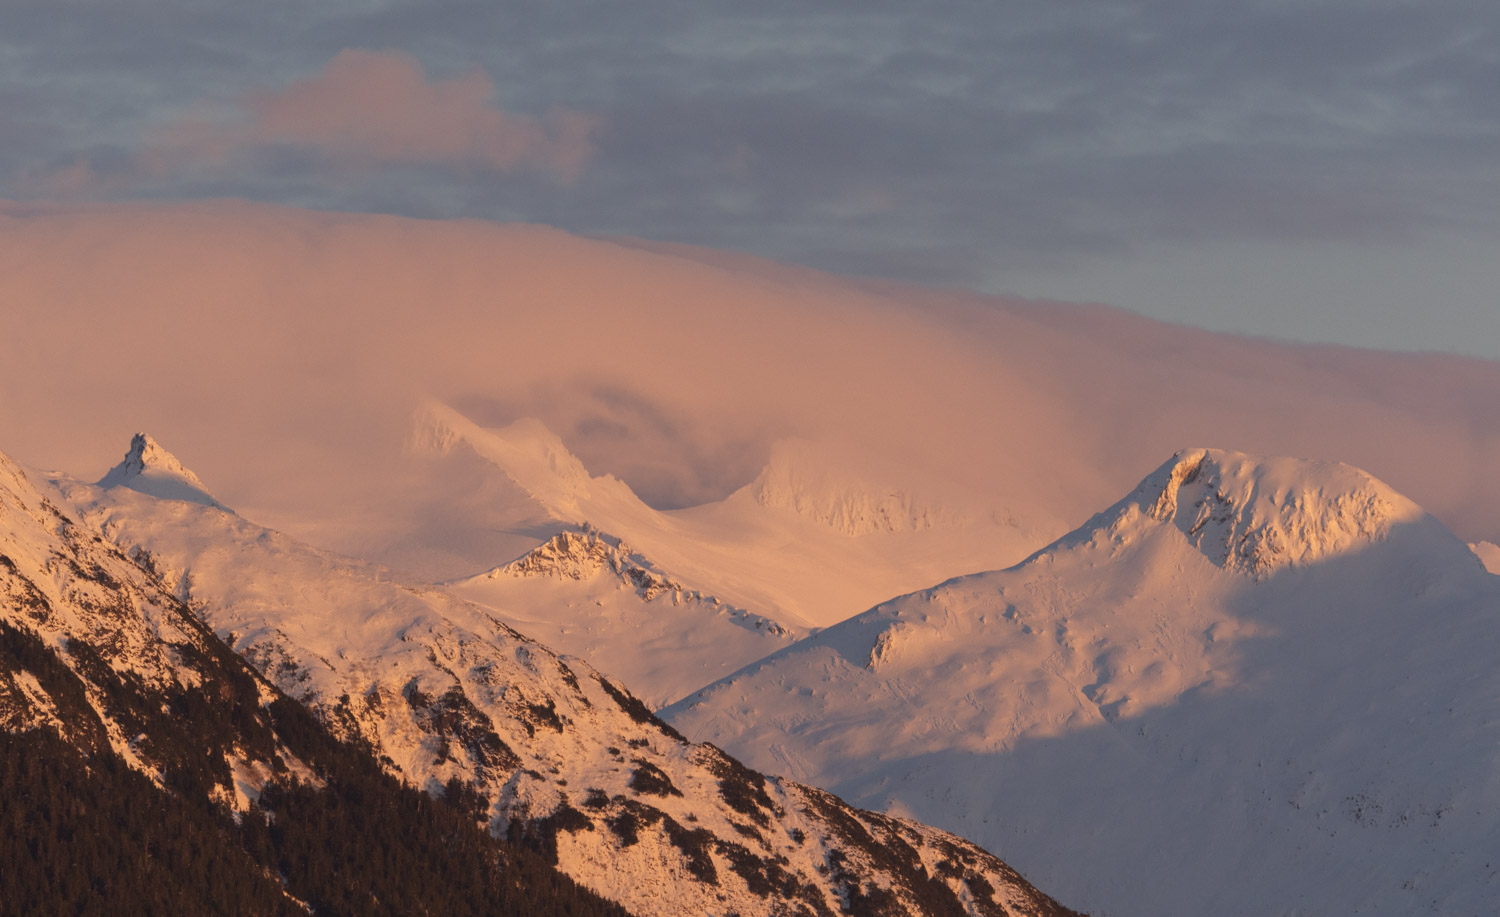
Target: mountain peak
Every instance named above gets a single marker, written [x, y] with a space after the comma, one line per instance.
[150, 469]
[1259, 515]
[529, 453]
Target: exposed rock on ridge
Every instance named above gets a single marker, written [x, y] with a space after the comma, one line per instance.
[581, 555]
[150, 469]
[1259, 515]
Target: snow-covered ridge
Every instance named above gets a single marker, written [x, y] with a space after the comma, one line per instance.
[100, 651]
[798, 481]
[151, 469]
[1319, 741]
[1259, 515]
[531, 455]
[587, 553]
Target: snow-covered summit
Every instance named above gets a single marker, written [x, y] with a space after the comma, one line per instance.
[590, 594]
[530, 454]
[582, 555]
[565, 758]
[150, 469]
[1276, 676]
[1259, 515]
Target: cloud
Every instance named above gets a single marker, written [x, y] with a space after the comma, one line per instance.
[282, 352]
[375, 108]
[1021, 147]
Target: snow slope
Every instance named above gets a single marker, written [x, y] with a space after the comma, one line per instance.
[813, 539]
[571, 762]
[99, 651]
[150, 469]
[590, 595]
[1258, 686]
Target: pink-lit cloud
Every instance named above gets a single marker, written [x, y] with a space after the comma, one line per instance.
[372, 108]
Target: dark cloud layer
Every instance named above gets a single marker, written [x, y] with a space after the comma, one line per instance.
[941, 143]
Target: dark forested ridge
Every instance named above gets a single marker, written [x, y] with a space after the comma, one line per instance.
[83, 833]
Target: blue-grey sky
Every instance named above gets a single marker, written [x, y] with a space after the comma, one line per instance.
[1313, 170]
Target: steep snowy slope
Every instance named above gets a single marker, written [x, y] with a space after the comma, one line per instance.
[129, 735]
[588, 594]
[1252, 686]
[125, 657]
[569, 761]
[1488, 554]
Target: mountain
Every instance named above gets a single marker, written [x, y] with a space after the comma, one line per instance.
[559, 758]
[589, 594]
[149, 469]
[145, 768]
[1271, 680]
[817, 536]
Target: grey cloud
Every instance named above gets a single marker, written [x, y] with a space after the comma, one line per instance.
[889, 138]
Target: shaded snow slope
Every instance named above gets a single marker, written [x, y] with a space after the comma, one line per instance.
[150, 469]
[588, 594]
[571, 762]
[1272, 681]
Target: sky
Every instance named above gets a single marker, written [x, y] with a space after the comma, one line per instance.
[1325, 171]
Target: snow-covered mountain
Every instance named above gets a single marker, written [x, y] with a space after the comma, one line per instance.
[1270, 680]
[146, 768]
[800, 447]
[570, 762]
[150, 469]
[588, 594]
[816, 537]
[112, 651]
[681, 372]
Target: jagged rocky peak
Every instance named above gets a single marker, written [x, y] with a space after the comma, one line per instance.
[585, 553]
[1259, 514]
[150, 469]
[588, 552]
[572, 555]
